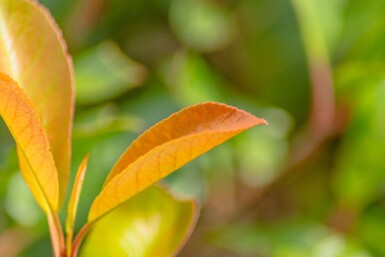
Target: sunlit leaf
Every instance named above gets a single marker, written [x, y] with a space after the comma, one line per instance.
[38, 166]
[34, 54]
[167, 146]
[153, 223]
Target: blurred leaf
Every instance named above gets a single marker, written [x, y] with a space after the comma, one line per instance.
[105, 119]
[6, 144]
[363, 37]
[19, 203]
[371, 228]
[192, 80]
[203, 25]
[34, 54]
[269, 62]
[104, 72]
[260, 166]
[354, 77]
[37, 165]
[167, 146]
[286, 239]
[38, 248]
[359, 175]
[153, 223]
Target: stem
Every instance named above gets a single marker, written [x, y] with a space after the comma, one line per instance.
[321, 121]
[57, 237]
[79, 239]
[69, 242]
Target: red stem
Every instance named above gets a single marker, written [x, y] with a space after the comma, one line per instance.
[323, 107]
[79, 239]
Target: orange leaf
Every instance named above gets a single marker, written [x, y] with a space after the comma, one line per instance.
[166, 147]
[23, 121]
[34, 54]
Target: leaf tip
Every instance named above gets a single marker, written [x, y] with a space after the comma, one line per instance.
[264, 122]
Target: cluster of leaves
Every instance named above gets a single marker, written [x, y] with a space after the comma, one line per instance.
[38, 111]
[314, 186]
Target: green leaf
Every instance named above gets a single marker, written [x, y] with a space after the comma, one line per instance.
[104, 72]
[359, 174]
[153, 223]
[203, 25]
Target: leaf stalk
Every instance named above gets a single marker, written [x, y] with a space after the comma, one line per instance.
[57, 237]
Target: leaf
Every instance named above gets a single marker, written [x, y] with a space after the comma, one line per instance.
[153, 223]
[104, 72]
[34, 54]
[306, 239]
[193, 80]
[74, 202]
[103, 119]
[202, 25]
[39, 169]
[360, 150]
[167, 146]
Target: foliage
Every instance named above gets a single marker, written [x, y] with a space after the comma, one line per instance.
[42, 143]
[310, 184]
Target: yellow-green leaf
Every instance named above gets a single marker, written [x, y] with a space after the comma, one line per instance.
[34, 54]
[38, 167]
[153, 223]
[74, 202]
[166, 147]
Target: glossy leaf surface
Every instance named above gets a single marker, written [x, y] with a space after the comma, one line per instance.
[37, 164]
[167, 146]
[34, 54]
[153, 223]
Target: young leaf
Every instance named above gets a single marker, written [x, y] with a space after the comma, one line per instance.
[74, 201]
[34, 54]
[153, 223]
[166, 147]
[37, 165]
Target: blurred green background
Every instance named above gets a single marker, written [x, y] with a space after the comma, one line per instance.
[310, 184]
